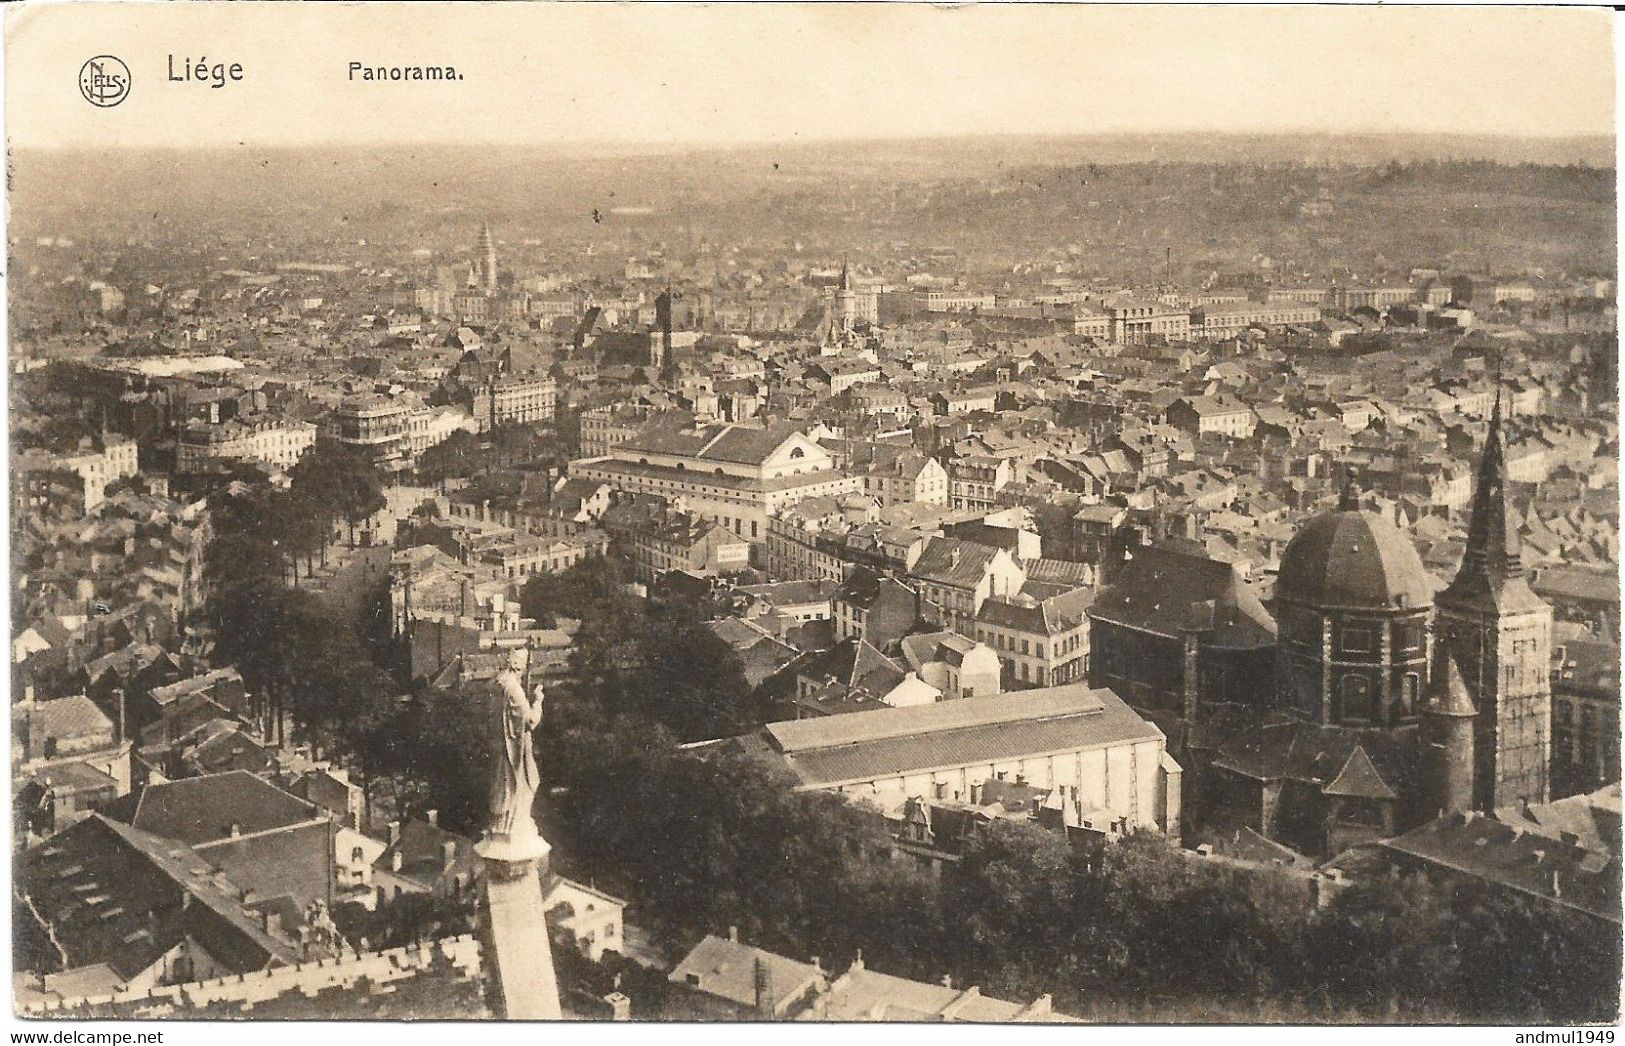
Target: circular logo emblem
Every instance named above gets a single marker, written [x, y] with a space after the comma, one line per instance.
[104, 81]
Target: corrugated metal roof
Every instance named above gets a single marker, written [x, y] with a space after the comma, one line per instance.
[805, 734]
[886, 742]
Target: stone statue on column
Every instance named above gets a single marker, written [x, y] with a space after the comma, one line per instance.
[515, 778]
[517, 954]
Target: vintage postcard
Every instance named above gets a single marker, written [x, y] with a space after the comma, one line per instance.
[830, 512]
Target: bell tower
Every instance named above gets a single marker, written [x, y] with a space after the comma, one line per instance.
[1500, 634]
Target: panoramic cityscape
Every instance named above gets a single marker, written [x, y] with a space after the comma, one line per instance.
[1121, 577]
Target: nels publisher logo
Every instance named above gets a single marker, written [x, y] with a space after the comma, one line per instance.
[104, 81]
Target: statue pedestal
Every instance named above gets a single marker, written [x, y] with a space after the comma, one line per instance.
[518, 951]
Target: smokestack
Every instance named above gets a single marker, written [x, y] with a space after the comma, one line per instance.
[394, 832]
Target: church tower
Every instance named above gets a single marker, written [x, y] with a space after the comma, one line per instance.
[846, 305]
[485, 251]
[660, 357]
[1448, 720]
[1500, 634]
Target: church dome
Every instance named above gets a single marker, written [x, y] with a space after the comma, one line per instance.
[1353, 559]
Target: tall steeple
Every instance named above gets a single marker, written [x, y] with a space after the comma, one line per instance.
[485, 250]
[1500, 635]
[1492, 555]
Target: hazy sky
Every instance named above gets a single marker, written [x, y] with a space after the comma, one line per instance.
[635, 73]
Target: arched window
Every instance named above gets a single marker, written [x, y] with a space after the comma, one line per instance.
[797, 452]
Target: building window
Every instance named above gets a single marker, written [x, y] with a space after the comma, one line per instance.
[1407, 695]
[1356, 640]
[1356, 703]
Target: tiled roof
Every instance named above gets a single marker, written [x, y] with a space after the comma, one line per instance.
[1359, 779]
[1562, 873]
[1318, 755]
[1166, 591]
[74, 778]
[727, 970]
[114, 895]
[863, 994]
[938, 563]
[68, 717]
[198, 810]
[1023, 615]
[422, 847]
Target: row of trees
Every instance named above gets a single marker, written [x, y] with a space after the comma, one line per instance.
[310, 673]
[265, 533]
[463, 454]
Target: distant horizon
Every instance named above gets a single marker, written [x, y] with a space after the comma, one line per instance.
[588, 147]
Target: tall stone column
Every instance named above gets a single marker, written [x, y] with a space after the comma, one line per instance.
[518, 955]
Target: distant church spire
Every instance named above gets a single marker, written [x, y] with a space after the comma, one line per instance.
[485, 250]
[844, 320]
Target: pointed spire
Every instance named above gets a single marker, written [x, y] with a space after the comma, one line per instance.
[846, 275]
[1492, 543]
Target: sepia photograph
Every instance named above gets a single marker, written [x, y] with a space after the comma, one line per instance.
[1000, 513]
